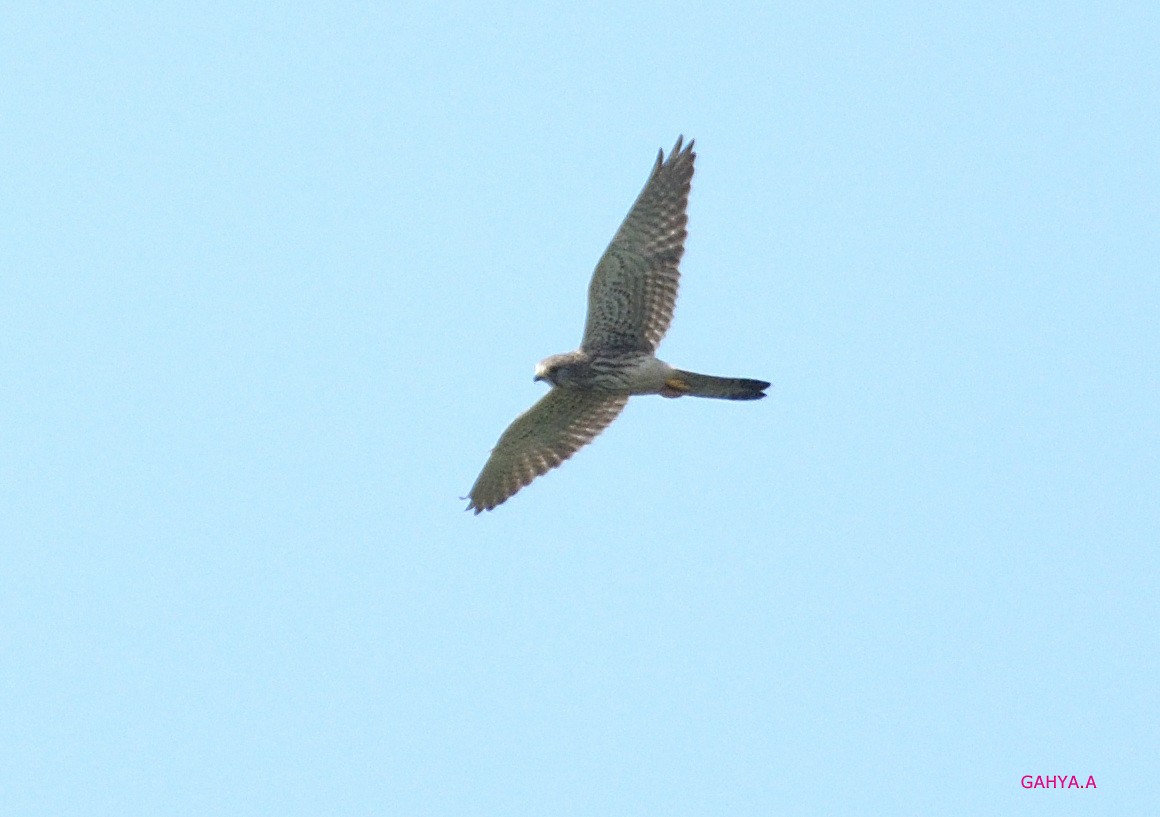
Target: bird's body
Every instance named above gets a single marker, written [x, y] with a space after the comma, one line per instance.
[629, 373]
[635, 373]
[630, 305]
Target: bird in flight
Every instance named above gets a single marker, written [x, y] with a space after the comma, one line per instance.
[630, 305]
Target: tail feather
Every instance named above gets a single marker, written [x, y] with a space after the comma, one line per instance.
[723, 388]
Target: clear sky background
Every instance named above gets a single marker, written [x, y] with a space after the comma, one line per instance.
[274, 279]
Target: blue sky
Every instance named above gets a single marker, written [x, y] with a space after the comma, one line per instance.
[274, 279]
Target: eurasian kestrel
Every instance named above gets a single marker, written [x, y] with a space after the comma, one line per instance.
[630, 306]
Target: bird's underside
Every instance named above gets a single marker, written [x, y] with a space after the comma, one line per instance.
[630, 306]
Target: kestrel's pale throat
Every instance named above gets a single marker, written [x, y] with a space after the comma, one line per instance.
[630, 305]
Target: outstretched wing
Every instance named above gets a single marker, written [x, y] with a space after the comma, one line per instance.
[634, 289]
[551, 431]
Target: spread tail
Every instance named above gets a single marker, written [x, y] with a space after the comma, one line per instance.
[705, 385]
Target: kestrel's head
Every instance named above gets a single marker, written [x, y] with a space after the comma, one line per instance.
[559, 370]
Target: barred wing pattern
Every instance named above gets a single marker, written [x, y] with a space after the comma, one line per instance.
[540, 439]
[634, 289]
